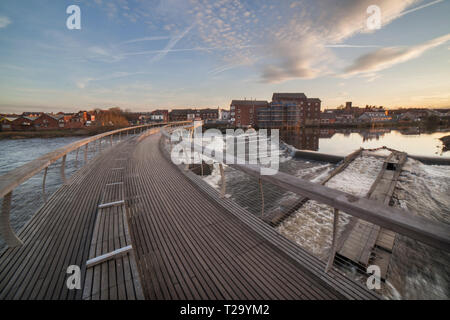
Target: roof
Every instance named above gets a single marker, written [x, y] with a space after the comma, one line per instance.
[374, 115]
[314, 100]
[8, 118]
[182, 111]
[249, 102]
[327, 115]
[288, 96]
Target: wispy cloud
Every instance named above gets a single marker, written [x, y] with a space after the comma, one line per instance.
[84, 82]
[387, 57]
[4, 21]
[173, 41]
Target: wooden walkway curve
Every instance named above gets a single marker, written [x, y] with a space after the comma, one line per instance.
[185, 244]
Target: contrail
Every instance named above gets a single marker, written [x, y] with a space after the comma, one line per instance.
[350, 46]
[171, 44]
[155, 38]
[165, 51]
[418, 8]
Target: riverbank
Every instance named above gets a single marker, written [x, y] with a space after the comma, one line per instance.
[91, 131]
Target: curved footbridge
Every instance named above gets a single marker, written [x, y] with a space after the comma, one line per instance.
[139, 227]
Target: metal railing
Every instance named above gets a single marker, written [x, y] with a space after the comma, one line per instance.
[14, 178]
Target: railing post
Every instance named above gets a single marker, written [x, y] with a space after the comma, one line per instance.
[262, 196]
[43, 184]
[5, 224]
[85, 153]
[120, 136]
[76, 159]
[222, 176]
[63, 167]
[334, 241]
[110, 139]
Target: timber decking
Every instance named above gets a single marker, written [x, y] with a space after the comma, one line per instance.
[57, 236]
[186, 244]
[117, 277]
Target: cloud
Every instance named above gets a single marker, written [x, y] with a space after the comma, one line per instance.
[4, 21]
[387, 57]
[84, 82]
[297, 38]
[302, 47]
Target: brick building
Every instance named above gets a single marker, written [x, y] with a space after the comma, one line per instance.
[182, 114]
[289, 110]
[23, 123]
[207, 114]
[46, 121]
[243, 113]
[159, 116]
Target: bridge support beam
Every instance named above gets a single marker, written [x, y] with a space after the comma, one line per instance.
[223, 182]
[262, 197]
[5, 226]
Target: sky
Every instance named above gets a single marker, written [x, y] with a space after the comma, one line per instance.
[148, 54]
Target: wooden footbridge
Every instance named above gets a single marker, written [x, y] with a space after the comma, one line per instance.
[140, 227]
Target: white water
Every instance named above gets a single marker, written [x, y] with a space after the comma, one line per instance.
[311, 226]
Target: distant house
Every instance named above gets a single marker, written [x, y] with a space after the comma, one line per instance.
[23, 123]
[327, 118]
[374, 117]
[6, 123]
[159, 116]
[46, 121]
[207, 114]
[182, 114]
[345, 118]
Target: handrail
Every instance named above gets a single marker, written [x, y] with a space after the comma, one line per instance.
[10, 180]
[398, 220]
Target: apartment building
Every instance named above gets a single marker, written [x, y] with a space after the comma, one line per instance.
[289, 110]
[244, 113]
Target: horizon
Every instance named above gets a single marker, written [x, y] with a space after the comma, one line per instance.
[148, 55]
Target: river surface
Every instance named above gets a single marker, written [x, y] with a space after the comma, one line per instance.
[344, 141]
[423, 189]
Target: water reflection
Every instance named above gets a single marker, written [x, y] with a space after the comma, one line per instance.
[343, 141]
[304, 139]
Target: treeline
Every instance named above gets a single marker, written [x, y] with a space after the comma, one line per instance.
[114, 117]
